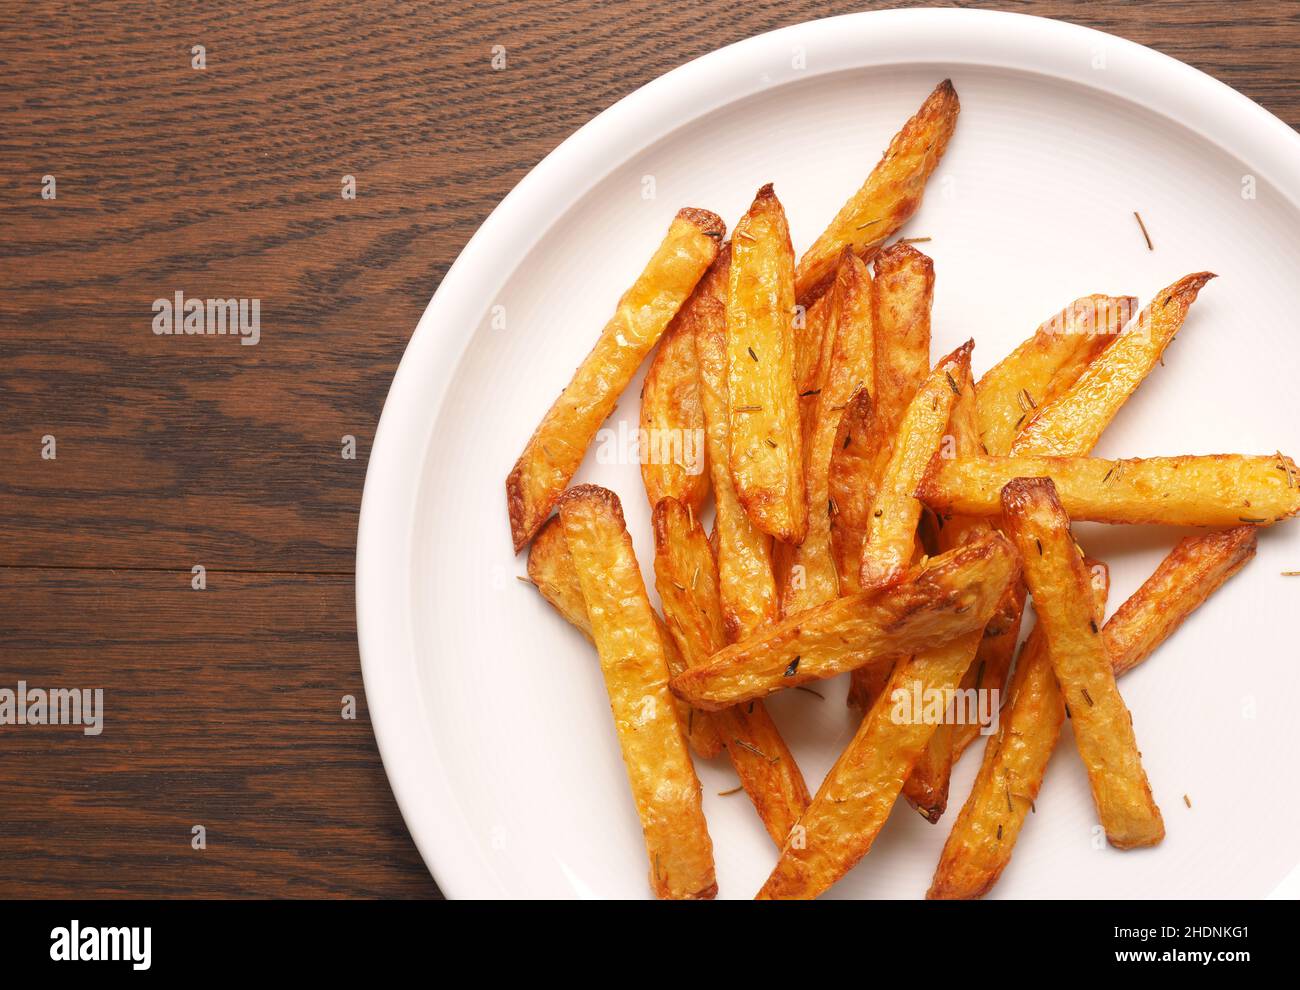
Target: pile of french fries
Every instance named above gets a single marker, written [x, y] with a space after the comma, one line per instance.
[874, 514]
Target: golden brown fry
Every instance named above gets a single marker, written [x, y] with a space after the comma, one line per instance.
[687, 580]
[984, 835]
[891, 528]
[926, 788]
[748, 589]
[952, 594]
[808, 344]
[853, 802]
[888, 198]
[1071, 424]
[988, 671]
[550, 568]
[766, 437]
[560, 441]
[1063, 600]
[673, 453]
[850, 368]
[1196, 568]
[1015, 760]
[1209, 490]
[1046, 364]
[904, 291]
[659, 769]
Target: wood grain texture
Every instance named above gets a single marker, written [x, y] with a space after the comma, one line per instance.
[226, 182]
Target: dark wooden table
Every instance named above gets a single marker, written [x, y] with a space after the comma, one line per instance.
[223, 706]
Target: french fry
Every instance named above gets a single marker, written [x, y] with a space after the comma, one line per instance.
[659, 769]
[551, 570]
[1072, 423]
[891, 528]
[1210, 490]
[1046, 364]
[1196, 568]
[748, 589]
[687, 579]
[850, 368]
[766, 437]
[888, 198]
[950, 595]
[674, 460]
[904, 289]
[560, 442]
[926, 787]
[808, 345]
[1063, 600]
[1015, 760]
[855, 799]
[992, 663]
[1016, 757]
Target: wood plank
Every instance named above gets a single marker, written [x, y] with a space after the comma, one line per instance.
[222, 708]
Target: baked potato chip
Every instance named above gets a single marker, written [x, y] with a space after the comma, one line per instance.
[895, 512]
[687, 580]
[856, 797]
[550, 568]
[850, 368]
[659, 769]
[1015, 758]
[1046, 364]
[560, 442]
[748, 589]
[950, 595]
[766, 436]
[674, 456]
[889, 197]
[1210, 490]
[1064, 602]
[1071, 424]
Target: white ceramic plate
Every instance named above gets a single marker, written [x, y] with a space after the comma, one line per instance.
[490, 712]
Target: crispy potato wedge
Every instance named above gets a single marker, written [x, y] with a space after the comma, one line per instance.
[748, 588]
[850, 368]
[950, 595]
[766, 436]
[550, 568]
[1071, 424]
[1016, 757]
[674, 456]
[1015, 760]
[854, 801]
[1063, 600]
[1046, 364]
[895, 512]
[659, 769]
[888, 198]
[687, 579]
[560, 442]
[1210, 490]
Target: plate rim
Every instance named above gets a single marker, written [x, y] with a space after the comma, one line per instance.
[413, 406]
